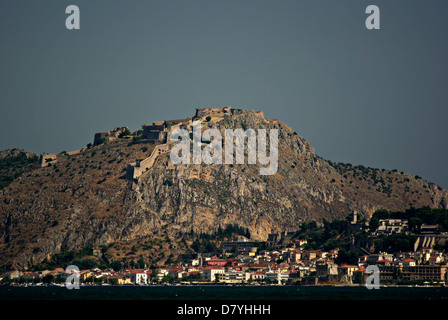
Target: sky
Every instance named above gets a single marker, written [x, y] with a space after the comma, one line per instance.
[376, 98]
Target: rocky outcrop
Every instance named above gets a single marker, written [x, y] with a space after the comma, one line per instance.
[12, 153]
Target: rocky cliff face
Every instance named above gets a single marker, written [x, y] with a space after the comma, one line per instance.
[85, 199]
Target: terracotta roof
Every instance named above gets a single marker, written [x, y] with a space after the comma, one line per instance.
[136, 271]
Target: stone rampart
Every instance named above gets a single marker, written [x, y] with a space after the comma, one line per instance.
[203, 112]
[46, 159]
[109, 135]
[136, 169]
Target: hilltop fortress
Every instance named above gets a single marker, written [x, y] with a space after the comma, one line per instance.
[158, 133]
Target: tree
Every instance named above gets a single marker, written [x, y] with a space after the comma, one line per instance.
[85, 263]
[125, 132]
[397, 242]
[309, 226]
[141, 263]
[347, 257]
[357, 277]
[415, 224]
[374, 223]
[396, 273]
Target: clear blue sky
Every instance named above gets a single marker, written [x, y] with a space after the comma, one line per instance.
[376, 98]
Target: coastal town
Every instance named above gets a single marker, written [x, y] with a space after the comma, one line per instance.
[287, 261]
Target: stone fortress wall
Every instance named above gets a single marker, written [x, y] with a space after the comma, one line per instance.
[45, 159]
[136, 169]
[157, 133]
[109, 135]
[205, 112]
[160, 131]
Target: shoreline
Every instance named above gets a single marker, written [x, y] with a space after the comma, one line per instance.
[131, 285]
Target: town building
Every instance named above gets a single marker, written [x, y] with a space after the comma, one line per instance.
[392, 226]
[258, 275]
[433, 273]
[209, 273]
[233, 276]
[277, 276]
[326, 271]
[138, 277]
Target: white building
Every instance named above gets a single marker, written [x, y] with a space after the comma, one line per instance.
[233, 277]
[139, 277]
[392, 226]
[277, 276]
[258, 275]
[210, 273]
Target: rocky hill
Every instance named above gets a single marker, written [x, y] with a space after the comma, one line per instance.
[13, 163]
[86, 198]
